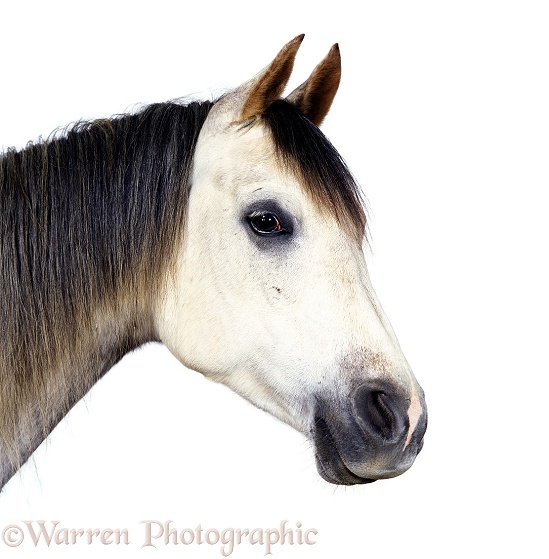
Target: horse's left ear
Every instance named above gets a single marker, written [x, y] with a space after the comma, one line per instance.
[269, 85]
[314, 97]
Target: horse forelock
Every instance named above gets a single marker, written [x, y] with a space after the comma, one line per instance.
[302, 148]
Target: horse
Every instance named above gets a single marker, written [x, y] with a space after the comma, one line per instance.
[231, 231]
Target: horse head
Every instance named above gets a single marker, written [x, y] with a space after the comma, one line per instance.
[270, 293]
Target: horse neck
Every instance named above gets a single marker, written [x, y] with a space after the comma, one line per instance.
[66, 317]
[89, 224]
[38, 390]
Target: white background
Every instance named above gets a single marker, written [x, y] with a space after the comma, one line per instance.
[443, 116]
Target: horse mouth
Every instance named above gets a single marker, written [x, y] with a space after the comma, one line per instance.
[329, 463]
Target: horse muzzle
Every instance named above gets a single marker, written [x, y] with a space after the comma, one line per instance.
[368, 436]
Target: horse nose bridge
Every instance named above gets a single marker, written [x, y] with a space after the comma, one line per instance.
[368, 322]
[369, 317]
[383, 365]
[374, 352]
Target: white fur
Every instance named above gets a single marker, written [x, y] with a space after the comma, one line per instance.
[273, 326]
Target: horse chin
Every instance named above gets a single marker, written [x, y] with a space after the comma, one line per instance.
[336, 472]
[329, 463]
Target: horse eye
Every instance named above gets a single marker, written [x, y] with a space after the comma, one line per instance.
[266, 223]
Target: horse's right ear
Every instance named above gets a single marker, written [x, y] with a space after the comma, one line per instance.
[268, 86]
[314, 97]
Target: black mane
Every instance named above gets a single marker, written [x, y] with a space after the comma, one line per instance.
[82, 212]
[88, 223]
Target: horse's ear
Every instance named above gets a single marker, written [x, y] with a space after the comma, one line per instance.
[268, 86]
[314, 97]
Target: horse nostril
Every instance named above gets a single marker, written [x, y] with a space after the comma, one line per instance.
[380, 412]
